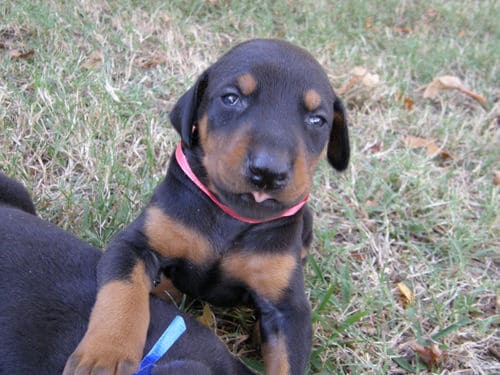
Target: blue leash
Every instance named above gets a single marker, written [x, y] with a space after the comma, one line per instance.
[175, 329]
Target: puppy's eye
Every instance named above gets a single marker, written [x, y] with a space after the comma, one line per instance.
[315, 121]
[230, 99]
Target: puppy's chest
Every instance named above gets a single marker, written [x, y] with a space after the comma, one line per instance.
[222, 263]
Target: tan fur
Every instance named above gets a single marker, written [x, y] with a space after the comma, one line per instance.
[247, 84]
[275, 356]
[172, 239]
[267, 274]
[224, 157]
[118, 323]
[300, 184]
[312, 100]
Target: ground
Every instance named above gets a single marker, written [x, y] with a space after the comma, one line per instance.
[405, 262]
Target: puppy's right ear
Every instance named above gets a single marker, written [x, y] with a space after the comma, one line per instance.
[184, 116]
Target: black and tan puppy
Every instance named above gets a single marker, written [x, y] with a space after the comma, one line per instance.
[229, 223]
[48, 287]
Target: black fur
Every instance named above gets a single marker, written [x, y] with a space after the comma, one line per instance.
[48, 287]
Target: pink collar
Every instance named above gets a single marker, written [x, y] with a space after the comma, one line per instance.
[183, 163]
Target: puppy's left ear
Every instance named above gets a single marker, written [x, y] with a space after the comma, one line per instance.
[184, 115]
[338, 150]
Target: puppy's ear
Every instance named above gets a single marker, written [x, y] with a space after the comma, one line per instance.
[184, 115]
[338, 146]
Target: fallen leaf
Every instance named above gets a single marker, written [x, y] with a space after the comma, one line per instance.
[403, 29]
[408, 103]
[376, 147]
[151, 61]
[348, 85]
[359, 74]
[368, 23]
[416, 142]
[496, 178]
[359, 71]
[431, 148]
[407, 297]
[439, 84]
[431, 355]
[96, 58]
[21, 54]
[207, 318]
[371, 80]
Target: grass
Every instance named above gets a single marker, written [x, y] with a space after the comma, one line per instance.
[91, 139]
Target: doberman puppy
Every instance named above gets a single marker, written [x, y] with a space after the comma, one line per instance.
[229, 222]
[48, 287]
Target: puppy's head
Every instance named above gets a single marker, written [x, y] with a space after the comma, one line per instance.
[261, 118]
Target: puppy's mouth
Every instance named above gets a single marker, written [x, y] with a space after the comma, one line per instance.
[252, 203]
[259, 198]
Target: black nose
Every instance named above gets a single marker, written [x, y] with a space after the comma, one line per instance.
[268, 172]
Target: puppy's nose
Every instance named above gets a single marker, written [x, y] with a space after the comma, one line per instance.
[268, 172]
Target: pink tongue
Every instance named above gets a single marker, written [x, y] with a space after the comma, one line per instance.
[260, 196]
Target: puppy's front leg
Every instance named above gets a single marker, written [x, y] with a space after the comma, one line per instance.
[115, 338]
[286, 333]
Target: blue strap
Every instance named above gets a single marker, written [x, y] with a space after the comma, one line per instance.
[175, 329]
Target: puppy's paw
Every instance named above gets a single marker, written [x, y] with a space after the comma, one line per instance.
[101, 357]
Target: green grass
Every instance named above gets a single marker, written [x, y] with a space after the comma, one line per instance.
[92, 143]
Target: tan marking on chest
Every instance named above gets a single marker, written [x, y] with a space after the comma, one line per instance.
[267, 274]
[173, 239]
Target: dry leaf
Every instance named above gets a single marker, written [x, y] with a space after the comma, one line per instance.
[152, 61]
[96, 58]
[407, 297]
[21, 54]
[348, 85]
[496, 178]
[359, 71]
[207, 318]
[376, 147]
[432, 149]
[367, 78]
[408, 103]
[368, 23]
[450, 83]
[371, 80]
[430, 355]
[359, 74]
[403, 29]
[416, 142]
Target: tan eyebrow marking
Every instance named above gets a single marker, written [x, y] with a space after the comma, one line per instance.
[312, 100]
[247, 83]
